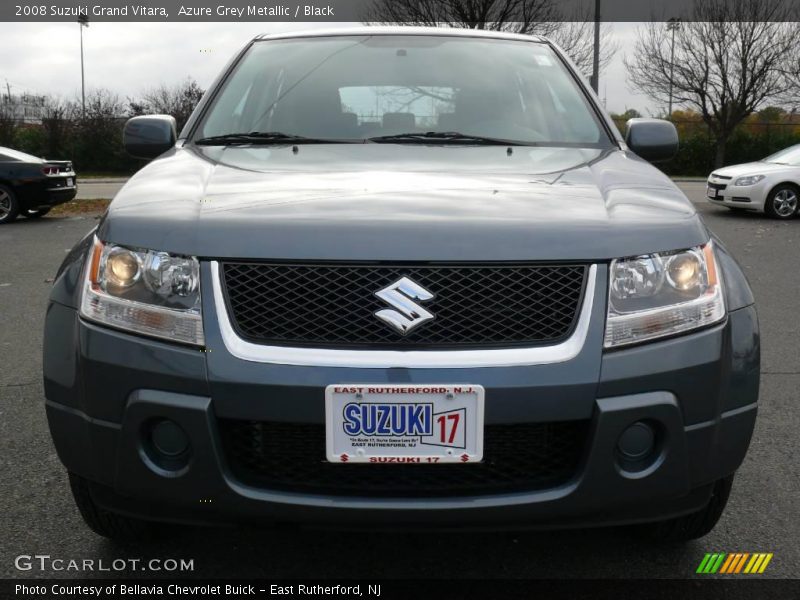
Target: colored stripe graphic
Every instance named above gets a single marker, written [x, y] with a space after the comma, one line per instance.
[741, 562]
[703, 563]
[711, 562]
[764, 564]
[758, 563]
[734, 563]
[753, 564]
[729, 562]
[717, 564]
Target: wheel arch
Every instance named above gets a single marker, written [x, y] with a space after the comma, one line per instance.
[785, 182]
[15, 203]
[794, 184]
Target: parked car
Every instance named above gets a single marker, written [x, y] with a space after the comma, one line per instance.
[31, 186]
[364, 286]
[771, 185]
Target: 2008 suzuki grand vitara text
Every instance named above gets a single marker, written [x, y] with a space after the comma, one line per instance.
[401, 276]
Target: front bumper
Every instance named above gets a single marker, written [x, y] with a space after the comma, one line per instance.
[750, 197]
[103, 387]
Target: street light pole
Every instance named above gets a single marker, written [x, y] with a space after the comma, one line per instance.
[672, 25]
[595, 79]
[83, 21]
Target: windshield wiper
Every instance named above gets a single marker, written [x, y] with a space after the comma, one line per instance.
[263, 137]
[445, 137]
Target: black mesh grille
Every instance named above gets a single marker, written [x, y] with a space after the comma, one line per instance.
[291, 457]
[334, 305]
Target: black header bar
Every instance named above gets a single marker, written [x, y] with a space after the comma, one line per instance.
[337, 11]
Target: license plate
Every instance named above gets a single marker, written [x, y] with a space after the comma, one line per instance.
[711, 192]
[404, 423]
[69, 181]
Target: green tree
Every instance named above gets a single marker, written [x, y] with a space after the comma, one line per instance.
[771, 114]
[630, 113]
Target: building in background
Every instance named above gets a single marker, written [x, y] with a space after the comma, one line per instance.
[23, 109]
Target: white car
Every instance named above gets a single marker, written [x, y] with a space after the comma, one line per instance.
[771, 185]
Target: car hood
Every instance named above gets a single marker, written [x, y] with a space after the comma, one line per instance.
[402, 202]
[752, 168]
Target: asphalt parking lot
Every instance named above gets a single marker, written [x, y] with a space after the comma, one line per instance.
[38, 515]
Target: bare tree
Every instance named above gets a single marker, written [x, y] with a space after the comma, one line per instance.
[732, 57]
[531, 17]
[177, 100]
[57, 125]
[98, 130]
[576, 38]
[137, 107]
[794, 77]
[519, 16]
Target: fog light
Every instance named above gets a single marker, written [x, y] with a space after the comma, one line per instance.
[168, 438]
[637, 442]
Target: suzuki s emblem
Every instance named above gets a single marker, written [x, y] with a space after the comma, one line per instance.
[407, 314]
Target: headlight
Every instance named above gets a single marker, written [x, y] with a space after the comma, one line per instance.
[143, 291]
[749, 180]
[657, 295]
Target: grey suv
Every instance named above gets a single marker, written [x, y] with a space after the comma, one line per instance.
[401, 276]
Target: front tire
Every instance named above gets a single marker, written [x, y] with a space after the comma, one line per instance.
[35, 214]
[783, 202]
[694, 525]
[107, 524]
[9, 205]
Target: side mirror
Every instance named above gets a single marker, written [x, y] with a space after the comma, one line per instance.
[652, 139]
[149, 136]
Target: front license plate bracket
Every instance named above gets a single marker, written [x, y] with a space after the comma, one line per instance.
[404, 423]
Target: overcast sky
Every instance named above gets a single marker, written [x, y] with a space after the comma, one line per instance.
[127, 58]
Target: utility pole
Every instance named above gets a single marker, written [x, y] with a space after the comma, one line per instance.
[83, 21]
[672, 25]
[595, 80]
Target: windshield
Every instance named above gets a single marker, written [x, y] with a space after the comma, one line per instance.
[787, 156]
[361, 87]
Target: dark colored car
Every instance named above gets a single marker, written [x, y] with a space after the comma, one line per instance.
[405, 277]
[31, 186]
